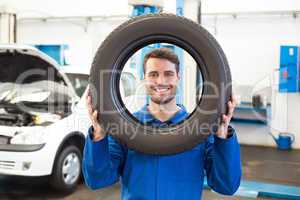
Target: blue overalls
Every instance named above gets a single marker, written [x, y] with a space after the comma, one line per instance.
[156, 177]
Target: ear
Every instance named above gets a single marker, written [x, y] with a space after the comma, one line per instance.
[178, 76]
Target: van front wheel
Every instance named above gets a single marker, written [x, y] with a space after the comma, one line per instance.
[67, 169]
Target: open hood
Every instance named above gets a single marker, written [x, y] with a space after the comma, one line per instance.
[31, 83]
[26, 64]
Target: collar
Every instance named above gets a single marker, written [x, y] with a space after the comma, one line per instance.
[146, 117]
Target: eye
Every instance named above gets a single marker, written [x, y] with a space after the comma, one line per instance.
[169, 74]
[153, 74]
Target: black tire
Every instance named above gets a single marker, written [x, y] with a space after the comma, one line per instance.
[57, 180]
[126, 40]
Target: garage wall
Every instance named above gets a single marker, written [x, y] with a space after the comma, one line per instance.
[251, 43]
[83, 40]
[46, 8]
[217, 6]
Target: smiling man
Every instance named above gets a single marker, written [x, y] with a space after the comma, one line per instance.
[179, 176]
[161, 69]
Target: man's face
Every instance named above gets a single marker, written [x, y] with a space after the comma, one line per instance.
[161, 80]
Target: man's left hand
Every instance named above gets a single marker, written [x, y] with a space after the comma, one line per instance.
[223, 127]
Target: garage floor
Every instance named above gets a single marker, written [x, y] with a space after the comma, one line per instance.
[38, 190]
[259, 164]
[271, 165]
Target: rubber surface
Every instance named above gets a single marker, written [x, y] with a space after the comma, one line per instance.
[56, 178]
[119, 46]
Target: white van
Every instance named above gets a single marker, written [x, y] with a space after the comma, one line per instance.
[43, 122]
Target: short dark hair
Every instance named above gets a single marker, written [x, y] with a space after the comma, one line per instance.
[162, 53]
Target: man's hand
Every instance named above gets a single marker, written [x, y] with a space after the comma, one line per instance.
[223, 128]
[98, 132]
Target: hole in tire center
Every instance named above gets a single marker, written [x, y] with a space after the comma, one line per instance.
[160, 85]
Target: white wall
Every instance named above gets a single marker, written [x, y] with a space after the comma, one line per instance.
[251, 42]
[252, 46]
[217, 6]
[49, 8]
[83, 40]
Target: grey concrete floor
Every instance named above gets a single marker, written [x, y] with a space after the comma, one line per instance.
[24, 188]
[259, 163]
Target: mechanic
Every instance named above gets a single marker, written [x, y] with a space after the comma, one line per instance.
[179, 176]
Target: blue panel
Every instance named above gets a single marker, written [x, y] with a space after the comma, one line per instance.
[289, 78]
[179, 52]
[54, 51]
[298, 71]
[288, 81]
[272, 190]
[288, 55]
[261, 189]
[143, 10]
[179, 97]
[179, 7]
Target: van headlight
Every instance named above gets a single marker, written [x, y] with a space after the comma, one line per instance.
[29, 138]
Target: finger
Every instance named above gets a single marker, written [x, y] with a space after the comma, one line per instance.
[223, 119]
[230, 109]
[88, 101]
[233, 104]
[90, 109]
[226, 120]
[234, 100]
[95, 114]
[94, 117]
[87, 95]
[222, 124]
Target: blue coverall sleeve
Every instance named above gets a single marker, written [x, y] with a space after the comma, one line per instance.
[102, 161]
[223, 163]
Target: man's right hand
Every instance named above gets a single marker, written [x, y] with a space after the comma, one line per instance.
[98, 133]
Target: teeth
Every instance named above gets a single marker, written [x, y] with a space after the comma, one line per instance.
[161, 89]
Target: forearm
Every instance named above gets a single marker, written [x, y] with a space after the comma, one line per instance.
[224, 164]
[99, 169]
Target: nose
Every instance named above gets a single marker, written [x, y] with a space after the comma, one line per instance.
[160, 80]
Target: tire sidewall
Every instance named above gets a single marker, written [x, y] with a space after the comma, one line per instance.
[57, 180]
[135, 34]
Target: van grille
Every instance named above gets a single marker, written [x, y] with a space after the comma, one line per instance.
[7, 164]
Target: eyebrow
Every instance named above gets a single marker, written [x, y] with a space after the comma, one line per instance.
[168, 71]
[152, 72]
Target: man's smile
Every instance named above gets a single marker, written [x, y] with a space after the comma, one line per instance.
[161, 89]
